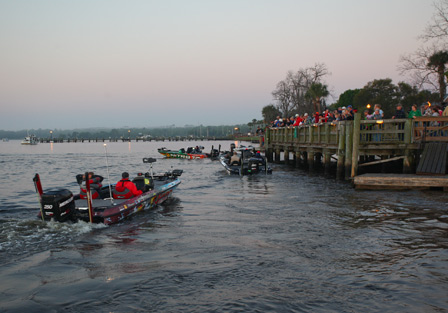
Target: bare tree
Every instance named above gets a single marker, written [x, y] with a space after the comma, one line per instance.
[438, 27]
[419, 65]
[416, 66]
[290, 93]
[282, 96]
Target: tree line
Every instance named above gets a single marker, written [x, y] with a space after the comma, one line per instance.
[199, 131]
[305, 90]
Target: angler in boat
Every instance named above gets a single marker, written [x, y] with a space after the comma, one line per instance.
[107, 204]
[244, 161]
[190, 153]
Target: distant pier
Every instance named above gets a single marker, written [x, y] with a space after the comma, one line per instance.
[136, 139]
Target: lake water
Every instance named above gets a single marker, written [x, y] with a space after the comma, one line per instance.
[288, 242]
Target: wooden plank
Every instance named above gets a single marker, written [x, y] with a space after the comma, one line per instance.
[422, 159]
[438, 158]
[399, 181]
[381, 161]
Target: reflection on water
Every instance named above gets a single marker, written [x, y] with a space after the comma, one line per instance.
[289, 241]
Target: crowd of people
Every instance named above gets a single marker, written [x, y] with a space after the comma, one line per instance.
[348, 113]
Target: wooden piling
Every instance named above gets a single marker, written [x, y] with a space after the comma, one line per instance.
[348, 149]
[310, 160]
[277, 155]
[408, 161]
[341, 151]
[286, 156]
[355, 149]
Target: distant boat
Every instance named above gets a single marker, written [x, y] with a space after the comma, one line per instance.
[29, 140]
[190, 154]
[249, 162]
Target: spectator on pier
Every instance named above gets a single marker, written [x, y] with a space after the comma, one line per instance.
[326, 115]
[349, 114]
[445, 112]
[316, 117]
[414, 112]
[367, 115]
[427, 110]
[399, 113]
[377, 114]
[378, 106]
[297, 121]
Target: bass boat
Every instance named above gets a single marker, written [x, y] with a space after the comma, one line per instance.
[190, 153]
[247, 161]
[105, 204]
[29, 140]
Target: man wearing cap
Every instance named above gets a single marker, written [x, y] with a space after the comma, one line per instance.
[125, 183]
[297, 121]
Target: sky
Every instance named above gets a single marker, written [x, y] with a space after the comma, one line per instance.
[144, 63]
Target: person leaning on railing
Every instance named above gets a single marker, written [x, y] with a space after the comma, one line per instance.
[399, 113]
[445, 112]
[414, 112]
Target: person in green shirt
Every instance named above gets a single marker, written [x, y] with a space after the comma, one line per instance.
[414, 112]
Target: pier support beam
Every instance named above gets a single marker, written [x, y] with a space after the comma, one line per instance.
[356, 138]
[327, 161]
[341, 151]
[348, 149]
[277, 156]
[408, 161]
[269, 154]
[298, 158]
[310, 160]
[286, 156]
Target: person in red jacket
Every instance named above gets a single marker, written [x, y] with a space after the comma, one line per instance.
[95, 185]
[297, 121]
[124, 184]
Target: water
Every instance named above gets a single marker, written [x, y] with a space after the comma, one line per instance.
[288, 242]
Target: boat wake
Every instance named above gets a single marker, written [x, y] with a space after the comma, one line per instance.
[19, 237]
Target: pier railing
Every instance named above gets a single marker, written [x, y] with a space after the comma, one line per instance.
[429, 128]
[387, 131]
[391, 139]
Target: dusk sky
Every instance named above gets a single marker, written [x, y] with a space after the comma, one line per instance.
[144, 63]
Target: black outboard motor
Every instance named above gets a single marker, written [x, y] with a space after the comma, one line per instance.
[58, 204]
[254, 165]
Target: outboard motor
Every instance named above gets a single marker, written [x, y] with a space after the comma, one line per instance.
[254, 165]
[58, 204]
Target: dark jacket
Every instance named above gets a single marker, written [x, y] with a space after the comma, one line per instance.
[400, 114]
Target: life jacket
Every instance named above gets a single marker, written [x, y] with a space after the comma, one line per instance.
[121, 192]
[95, 185]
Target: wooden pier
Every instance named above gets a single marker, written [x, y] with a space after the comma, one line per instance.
[351, 145]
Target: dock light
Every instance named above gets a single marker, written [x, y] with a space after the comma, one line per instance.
[429, 103]
[368, 106]
[379, 121]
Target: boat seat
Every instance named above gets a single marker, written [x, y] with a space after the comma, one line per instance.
[235, 163]
[143, 183]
